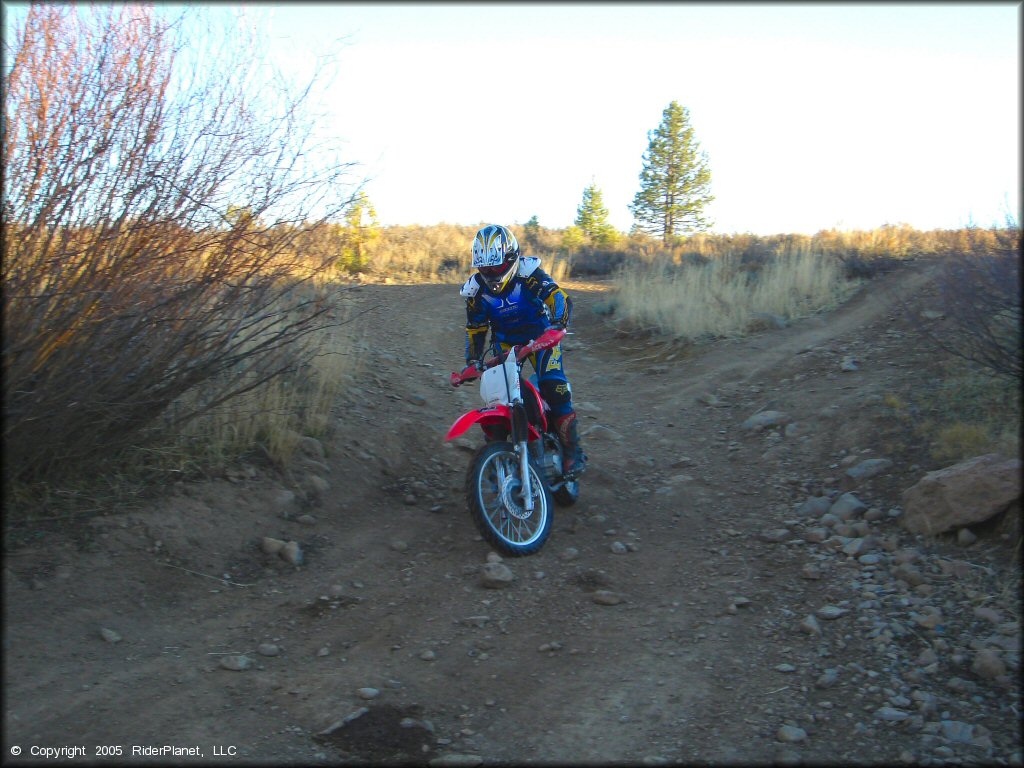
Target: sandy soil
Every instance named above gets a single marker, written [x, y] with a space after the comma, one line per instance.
[702, 660]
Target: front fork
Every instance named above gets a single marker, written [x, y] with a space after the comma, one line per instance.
[520, 438]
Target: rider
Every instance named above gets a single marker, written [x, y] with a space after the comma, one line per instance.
[518, 301]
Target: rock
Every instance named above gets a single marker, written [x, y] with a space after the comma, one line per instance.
[791, 734]
[988, 614]
[987, 665]
[846, 506]
[283, 500]
[815, 535]
[306, 520]
[570, 553]
[428, 655]
[236, 662]
[848, 364]
[367, 693]
[957, 732]
[268, 649]
[965, 537]
[599, 432]
[827, 679]
[855, 547]
[496, 575]
[811, 571]
[312, 447]
[317, 484]
[618, 548]
[966, 493]
[814, 506]
[891, 714]
[775, 535]
[868, 468]
[110, 635]
[810, 625]
[399, 546]
[271, 546]
[606, 597]
[765, 419]
[292, 553]
[831, 612]
[764, 321]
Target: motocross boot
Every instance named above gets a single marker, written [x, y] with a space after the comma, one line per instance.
[574, 461]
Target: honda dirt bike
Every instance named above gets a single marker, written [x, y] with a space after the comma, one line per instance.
[513, 478]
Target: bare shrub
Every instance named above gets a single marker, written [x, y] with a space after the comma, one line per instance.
[980, 296]
[152, 201]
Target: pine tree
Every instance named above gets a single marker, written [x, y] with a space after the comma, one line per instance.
[360, 229]
[531, 233]
[592, 217]
[675, 183]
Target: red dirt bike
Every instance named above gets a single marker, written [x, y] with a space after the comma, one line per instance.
[514, 476]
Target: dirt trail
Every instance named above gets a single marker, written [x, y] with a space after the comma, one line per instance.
[389, 597]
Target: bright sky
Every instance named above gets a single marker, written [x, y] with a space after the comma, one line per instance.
[812, 116]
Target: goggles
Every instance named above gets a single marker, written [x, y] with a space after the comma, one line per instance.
[493, 273]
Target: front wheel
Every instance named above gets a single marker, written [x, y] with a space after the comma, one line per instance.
[494, 493]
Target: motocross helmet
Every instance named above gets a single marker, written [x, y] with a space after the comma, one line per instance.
[496, 256]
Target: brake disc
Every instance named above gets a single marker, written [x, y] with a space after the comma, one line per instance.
[510, 491]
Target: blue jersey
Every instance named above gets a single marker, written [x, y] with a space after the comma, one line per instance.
[530, 304]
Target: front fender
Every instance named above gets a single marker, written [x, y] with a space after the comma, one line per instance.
[493, 414]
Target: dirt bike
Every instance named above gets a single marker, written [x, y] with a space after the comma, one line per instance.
[513, 478]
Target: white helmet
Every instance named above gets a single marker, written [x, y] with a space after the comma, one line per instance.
[496, 256]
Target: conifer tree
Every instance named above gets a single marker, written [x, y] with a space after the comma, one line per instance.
[361, 227]
[675, 183]
[592, 217]
[531, 232]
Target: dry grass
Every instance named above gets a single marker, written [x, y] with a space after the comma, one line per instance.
[724, 297]
[969, 413]
[272, 417]
[442, 254]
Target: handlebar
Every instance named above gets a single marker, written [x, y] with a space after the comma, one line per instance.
[550, 338]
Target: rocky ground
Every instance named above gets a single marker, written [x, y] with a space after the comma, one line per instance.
[735, 584]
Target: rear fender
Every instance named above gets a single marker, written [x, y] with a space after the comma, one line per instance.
[493, 414]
